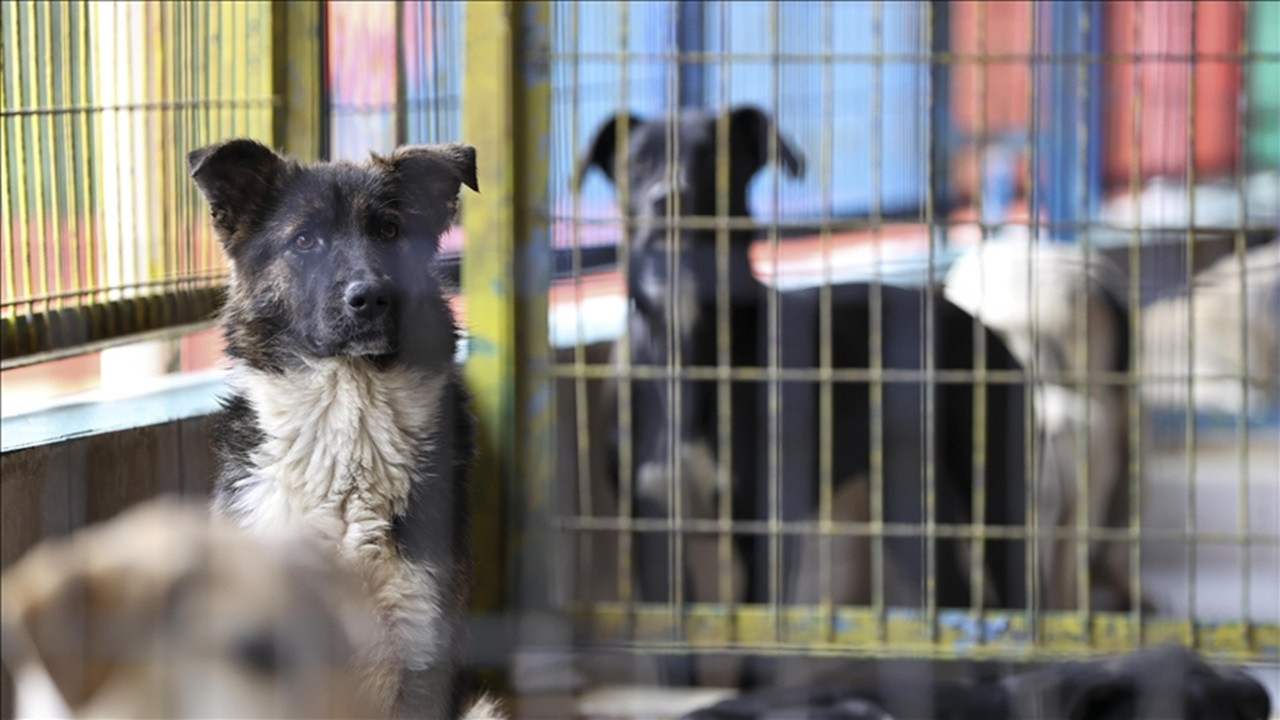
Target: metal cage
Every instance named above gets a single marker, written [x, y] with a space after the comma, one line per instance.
[1138, 135]
[931, 129]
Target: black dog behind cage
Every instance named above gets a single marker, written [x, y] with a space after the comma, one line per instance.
[926, 130]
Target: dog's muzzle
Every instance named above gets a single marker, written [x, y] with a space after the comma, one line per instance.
[361, 321]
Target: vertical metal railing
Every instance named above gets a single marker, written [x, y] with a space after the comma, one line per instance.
[301, 125]
[505, 279]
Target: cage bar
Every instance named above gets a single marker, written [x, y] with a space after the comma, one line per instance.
[1065, 63]
[298, 41]
[505, 276]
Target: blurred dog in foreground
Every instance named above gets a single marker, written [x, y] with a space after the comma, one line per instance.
[165, 612]
[162, 613]
[348, 417]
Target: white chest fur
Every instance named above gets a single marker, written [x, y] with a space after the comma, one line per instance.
[340, 438]
[343, 442]
[35, 695]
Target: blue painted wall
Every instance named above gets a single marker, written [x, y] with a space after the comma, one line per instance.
[900, 129]
[655, 85]
[848, 29]
[595, 29]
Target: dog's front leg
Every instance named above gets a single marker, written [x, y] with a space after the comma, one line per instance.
[654, 559]
[362, 547]
[409, 669]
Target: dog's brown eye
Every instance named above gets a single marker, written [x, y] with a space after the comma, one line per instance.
[389, 230]
[305, 241]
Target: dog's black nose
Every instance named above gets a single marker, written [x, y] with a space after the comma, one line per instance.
[367, 299]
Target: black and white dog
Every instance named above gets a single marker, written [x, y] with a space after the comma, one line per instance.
[349, 418]
[677, 454]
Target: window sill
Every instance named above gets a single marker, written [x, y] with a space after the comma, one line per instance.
[170, 398]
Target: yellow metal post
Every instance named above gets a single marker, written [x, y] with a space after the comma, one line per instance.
[297, 79]
[505, 278]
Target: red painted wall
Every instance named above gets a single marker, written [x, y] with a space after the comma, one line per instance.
[1160, 34]
[988, 28]
[1162, 106]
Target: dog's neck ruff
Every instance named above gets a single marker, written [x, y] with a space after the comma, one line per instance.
[338, 433]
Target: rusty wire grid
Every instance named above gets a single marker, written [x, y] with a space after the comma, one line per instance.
[904, 178]
[103, 236]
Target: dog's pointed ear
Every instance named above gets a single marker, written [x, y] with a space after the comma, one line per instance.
[237, 177]
[427, 180]
[448, 165]
[602, 152]
[49, 621]
[750, 130]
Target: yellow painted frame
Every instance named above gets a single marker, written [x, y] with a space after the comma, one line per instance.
[505, 280]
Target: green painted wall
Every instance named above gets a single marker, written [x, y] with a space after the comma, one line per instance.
[1263, 79]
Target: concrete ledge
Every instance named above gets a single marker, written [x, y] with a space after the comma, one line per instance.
[168, 399]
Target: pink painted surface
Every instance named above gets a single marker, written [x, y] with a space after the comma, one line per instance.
[1153, 30]
[362, 76]
[362, 61]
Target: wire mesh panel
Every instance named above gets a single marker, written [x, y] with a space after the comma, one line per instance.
[103, 235]
[966, 225]
[434, 67]
[394, 75]
[362, 63]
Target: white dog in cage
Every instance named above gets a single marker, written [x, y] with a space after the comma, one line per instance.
[1061, 316]
[1233, 308]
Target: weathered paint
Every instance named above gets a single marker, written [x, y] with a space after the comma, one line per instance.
[858, 632]
[489, 222]
[506, 278]
[296, 78]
